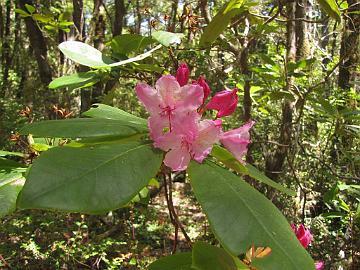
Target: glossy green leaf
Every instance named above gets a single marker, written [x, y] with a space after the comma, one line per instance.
[8, 196]
[258, 175]
[75, 81]
[8, 153]
[89, 179]
[180, 261]
[30, 8]
[11, 182]
[89, 56]
[84, 128]
[221, 20]
[207, 257]
[22, 13]
[40, 147]
[108, 112]
[331, 8]
[225, 157]
[43, 18]
[128, 43]
[240, 217]
[167, 38]
[84, 54]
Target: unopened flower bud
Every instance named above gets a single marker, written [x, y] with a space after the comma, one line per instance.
[182, 74]
[224, 102]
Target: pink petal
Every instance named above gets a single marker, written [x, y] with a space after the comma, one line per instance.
[206, 88]
[319, 265]
[169, 89]
[209, 133]
[157, 123]
[168, 141]
[190, 98]
[241, 132]
[186, 124]
[304, 236]
[149, 97]
[237, 140]
[225, 102]
[177, 159]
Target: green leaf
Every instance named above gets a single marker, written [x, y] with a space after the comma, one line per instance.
[8, 196]
[108, 112]
[240, 217]
[10, 171]
[30, 8]
[40, 147]
[11, 182]
[180, 261]
[75, 81]
[66, 24]
[331, 8]
[225, 157]
[88, 56]
[91, 179]
[167, 38]
[207, 257]
[43, 18]
[22, 12]
[84, 128]
[147, 67]
[128, 43]
[221, 20]
[256, 174]
[7, 153]
[84, 54]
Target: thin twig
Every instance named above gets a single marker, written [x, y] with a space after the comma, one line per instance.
[170, 214]
[326, 165]
[4, 262]
[297, 180]
[173, 215]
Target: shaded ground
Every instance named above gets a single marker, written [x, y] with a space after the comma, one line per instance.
[128, 238]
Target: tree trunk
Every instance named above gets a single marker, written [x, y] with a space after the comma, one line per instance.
[274, 164]
[349, 51]
[173, 18]
[120, 12]
[38, 44]
[6, 50]
[78, 18]
[138, 18]
[302, 47]
[1, 22]
[99, 26]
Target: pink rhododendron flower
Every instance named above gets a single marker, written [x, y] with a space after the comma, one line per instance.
[176, 126]
[202, 82]
[167, 101]
[319, 265]
[190, 138]
[224, 102]
[237, 140]
[303, 235]
[182, 74]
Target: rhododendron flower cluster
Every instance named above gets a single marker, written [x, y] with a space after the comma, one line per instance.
[177, 127]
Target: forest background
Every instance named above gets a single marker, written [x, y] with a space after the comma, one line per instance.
[296, 65]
